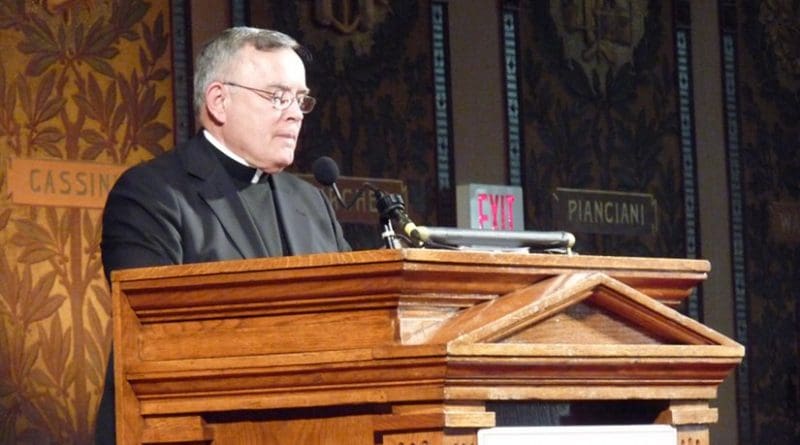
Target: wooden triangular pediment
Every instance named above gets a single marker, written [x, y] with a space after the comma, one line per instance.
[578, 308]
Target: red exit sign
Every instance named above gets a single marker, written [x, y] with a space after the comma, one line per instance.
[490, 207]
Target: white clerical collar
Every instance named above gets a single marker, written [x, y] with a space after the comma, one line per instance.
[218, 145]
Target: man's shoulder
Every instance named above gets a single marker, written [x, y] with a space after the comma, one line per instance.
[165, 163]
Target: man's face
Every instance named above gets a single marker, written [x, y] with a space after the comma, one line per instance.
[252, 127]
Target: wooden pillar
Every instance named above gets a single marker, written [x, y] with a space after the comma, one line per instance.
[691, 419]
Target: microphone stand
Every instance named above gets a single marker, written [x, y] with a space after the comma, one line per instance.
[390, 240]
[390, 206]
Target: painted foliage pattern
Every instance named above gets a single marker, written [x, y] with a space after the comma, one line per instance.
[769, 95]
[82, 81]
[600, 112]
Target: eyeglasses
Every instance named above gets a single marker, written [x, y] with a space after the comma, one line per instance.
[281, 99]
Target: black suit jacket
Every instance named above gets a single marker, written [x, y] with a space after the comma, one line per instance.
[183, 207]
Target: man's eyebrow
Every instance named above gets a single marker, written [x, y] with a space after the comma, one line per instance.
[287, 88]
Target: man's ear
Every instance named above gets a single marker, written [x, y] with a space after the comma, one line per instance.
[216, 101]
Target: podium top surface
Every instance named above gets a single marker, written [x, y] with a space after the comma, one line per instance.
[422, 257]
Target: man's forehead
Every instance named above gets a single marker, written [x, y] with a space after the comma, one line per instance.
[272, 71]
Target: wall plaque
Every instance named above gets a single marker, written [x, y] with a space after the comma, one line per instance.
[607, 212]
[784, 221]
[61, 183]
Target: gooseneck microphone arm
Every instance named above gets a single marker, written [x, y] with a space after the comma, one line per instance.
[390, 206]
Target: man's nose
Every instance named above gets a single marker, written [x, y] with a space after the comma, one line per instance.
[294, 110]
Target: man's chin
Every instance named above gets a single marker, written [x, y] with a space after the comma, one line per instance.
[281, 163]
[288, 158]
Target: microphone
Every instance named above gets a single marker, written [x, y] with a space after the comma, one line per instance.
[326, 171]
[392, 206]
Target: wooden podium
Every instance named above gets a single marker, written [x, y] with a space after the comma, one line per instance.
[404, 346]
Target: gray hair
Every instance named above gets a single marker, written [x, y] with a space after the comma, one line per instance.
[216, 55]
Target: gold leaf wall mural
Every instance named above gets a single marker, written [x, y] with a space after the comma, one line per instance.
[85, 90]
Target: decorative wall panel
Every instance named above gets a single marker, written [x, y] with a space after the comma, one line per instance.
[761, 62]
[600, 112]
[85, 89]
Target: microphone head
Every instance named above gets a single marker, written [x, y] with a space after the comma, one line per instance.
[325, 170]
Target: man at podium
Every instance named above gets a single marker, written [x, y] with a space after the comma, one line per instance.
[223, 194]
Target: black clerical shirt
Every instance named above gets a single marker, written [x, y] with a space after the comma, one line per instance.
[259, 199]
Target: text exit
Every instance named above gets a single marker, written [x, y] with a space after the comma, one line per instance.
[495, 212]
